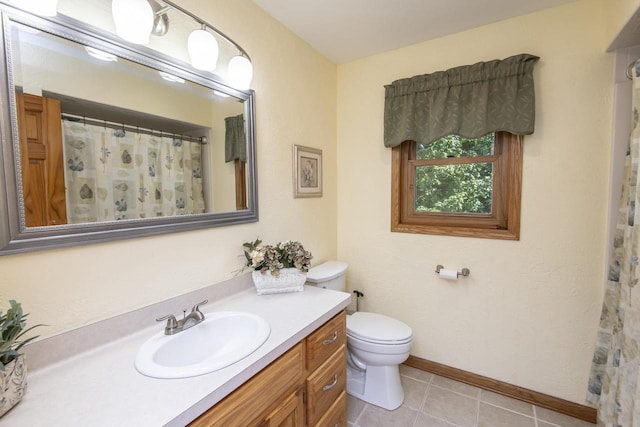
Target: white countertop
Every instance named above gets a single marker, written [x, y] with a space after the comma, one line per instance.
[101, 387]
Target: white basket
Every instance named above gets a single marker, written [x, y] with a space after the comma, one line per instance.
[289, 280]
[13, 383]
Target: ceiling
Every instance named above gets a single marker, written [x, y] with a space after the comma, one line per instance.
[346, 30]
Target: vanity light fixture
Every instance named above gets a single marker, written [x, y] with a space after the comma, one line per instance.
[100, 54]
[39, 7]
[134, 20]
[240, 72]
[203, 49]
[170, 77]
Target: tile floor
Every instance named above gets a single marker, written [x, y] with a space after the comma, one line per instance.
[433, 401]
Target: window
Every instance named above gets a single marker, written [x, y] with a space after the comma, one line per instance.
[459, 187]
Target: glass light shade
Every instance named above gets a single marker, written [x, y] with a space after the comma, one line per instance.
[170, 77]
[133, 19]
[100, 54]
[203, 50]
[39, 7]
[240, 72]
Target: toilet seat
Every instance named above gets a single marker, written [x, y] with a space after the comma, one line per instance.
[378, 329]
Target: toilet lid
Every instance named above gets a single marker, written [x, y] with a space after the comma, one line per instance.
[377, 328]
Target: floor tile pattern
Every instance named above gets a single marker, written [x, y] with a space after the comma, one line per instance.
[433, 401]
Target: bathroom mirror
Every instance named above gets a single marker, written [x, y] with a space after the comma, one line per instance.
[103, 139]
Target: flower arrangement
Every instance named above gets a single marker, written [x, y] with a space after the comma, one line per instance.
[273, 258]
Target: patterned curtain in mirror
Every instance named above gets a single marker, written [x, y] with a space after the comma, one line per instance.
[113, 174]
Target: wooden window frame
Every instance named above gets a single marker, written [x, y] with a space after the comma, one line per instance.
[502, 223]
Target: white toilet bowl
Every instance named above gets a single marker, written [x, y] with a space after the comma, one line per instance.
[376, 345]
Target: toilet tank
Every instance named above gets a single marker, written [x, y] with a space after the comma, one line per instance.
[329, 275]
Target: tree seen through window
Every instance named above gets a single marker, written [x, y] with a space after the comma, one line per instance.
[464, 184]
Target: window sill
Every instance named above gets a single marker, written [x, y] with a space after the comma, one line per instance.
[483, 233]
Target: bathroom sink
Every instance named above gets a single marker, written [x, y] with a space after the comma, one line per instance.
[221, 339]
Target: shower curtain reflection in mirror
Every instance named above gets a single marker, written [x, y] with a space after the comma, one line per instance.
[113, 174]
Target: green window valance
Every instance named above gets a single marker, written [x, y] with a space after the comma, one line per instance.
[235, 142]
[469, 101]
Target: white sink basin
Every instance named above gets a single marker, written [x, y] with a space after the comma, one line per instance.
[222, 339]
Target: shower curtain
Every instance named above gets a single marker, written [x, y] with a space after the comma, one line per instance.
[613, 383]
[113, 174]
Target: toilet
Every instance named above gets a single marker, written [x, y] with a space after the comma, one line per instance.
[376, 345]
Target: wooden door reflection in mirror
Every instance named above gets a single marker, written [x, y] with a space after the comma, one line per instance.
[41, 160]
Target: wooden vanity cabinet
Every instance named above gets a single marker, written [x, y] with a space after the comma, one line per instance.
[306, 386]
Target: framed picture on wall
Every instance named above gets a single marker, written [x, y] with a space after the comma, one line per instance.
[307, 172]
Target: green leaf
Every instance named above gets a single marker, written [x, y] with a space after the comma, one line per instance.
[12, 329]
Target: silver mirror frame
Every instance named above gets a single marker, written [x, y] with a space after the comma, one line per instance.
[15, 237]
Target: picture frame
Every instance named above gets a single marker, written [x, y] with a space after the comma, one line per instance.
[307, 172]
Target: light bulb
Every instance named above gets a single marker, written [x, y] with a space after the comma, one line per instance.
[203, 50]
[39, 7]
[240, 72]
[133, 19]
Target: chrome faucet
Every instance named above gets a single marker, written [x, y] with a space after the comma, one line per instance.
[174, 326]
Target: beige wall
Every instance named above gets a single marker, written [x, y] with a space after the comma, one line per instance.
[37, 69]
[529, 311]
[295, 103]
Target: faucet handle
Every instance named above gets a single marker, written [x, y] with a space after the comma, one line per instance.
[171, 321]
[196, 313]
[197, 306]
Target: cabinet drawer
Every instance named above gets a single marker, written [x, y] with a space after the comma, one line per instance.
[251, 399]
[325, 340]
[336, 416]
[325, 385]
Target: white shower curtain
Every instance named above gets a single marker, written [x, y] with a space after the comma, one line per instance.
[613, 383]
[113, 174]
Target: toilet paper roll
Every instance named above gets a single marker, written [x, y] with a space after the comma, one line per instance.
[448, 274]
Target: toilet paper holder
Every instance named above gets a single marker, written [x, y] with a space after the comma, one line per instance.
[464, 272]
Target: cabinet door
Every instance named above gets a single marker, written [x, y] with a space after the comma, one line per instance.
[289, 414]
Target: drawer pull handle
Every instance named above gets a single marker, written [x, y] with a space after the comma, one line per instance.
[330, 386]
[331, 340]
